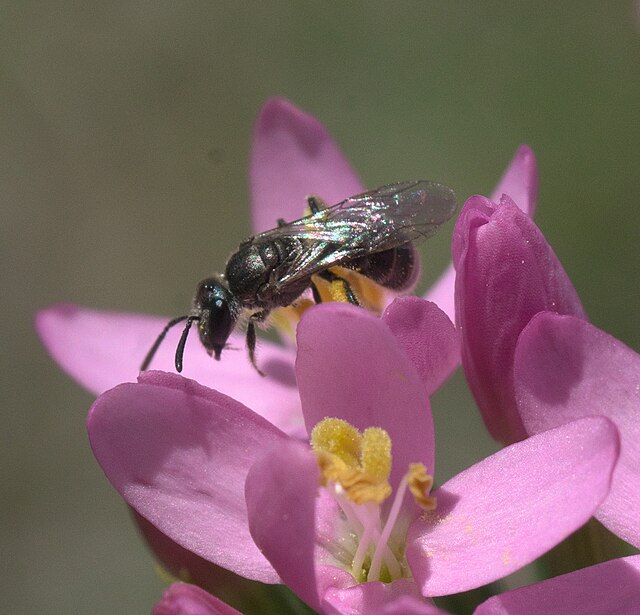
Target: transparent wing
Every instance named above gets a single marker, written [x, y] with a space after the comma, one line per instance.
[373, 221]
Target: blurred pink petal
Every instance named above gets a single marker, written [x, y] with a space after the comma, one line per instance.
[506, 273]
[101, 349]
[185, 599]
[428, 338]
[184, 564]
[179, 453]
[280, 491]
[398, 598]
[520, 182]
[351, 366]
[565, 368]
[512, 507]
[293, 156]
[611, 588]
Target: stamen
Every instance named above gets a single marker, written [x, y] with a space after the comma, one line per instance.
[376, 453]
[285, 319]
[338, 437]
[355, 469]
[360, 463]
[420, 484]
[376, 562]
[363, 547]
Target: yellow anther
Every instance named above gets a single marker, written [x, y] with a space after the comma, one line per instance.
[359, 463]
[376, 453]
[339, 438]
[420, 484]
[361, 487]
[286, 319]
[331, 467]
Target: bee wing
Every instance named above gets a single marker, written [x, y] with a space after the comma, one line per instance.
[371, 222]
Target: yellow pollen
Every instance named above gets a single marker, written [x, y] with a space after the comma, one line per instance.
[361, 488]
[376, 453]
[339, 438]
[359, 463]
[371, 296]
[338, 292]
[420, 484]
[285, 319]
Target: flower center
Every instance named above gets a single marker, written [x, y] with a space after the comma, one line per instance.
[355, 469]
[371, 296]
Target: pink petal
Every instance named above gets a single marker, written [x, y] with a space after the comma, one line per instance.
[351, 366]
[396, 598]
[565, 369]
[179, 453]
[520, 182]
[441, 292]
[506, 273]
[408, 605]
[428, 338]
[292, 157]
[182, 563]
[611, 588]
[280, 491]
[185, 599]
[512, 507]
[102, 349]
[281, 499]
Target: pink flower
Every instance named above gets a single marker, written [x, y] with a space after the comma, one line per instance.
[292, 156]
[185, 599]
[531, 358]
[611, 588]
[506, 273]
[226, 484]
[565, 368]
[520, 180]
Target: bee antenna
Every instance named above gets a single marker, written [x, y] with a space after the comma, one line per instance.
[183, 341]
[156, 344]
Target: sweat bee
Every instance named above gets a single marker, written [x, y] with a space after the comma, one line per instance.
[371, 233]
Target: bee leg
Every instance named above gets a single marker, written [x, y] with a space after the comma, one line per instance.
[315, 204]
[281, 222]
[346, 287]
[251, 346]
[349, 292]
[316, 293]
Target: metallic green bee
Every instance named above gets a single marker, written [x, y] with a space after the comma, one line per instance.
[371, 233]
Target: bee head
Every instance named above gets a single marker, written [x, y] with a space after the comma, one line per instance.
[217, 311]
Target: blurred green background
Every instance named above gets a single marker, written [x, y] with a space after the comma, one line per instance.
[124, 138]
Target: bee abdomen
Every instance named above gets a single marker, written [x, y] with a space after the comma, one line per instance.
[396, 269]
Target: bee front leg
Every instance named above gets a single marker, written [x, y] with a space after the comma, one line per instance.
[251, 346]
[251, 337]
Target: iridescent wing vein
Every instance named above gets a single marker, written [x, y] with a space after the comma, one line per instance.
[371, 222]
